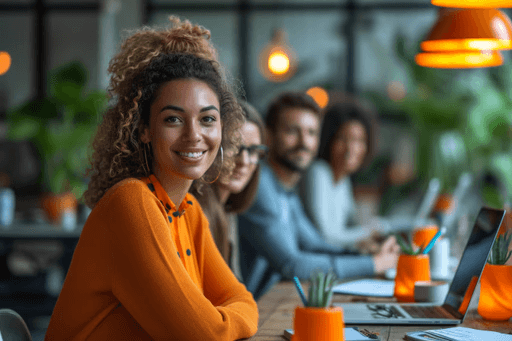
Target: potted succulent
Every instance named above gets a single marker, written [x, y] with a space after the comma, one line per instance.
[318, 320]
[60, 126]
[412, 266]
[495, 302]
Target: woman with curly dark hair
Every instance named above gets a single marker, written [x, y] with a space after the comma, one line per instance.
[146, 266]
[225, 198]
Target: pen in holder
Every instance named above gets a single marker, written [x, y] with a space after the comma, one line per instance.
[318, 320]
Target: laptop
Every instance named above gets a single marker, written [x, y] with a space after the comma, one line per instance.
[456, 303]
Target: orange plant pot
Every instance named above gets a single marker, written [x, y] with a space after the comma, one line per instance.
[318, 324]
[495, 301]
[54, 204]
[443, 203]
[422, 235]
[410, 269]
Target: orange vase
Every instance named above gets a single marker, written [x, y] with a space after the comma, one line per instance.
[423, 235]
[54, 204]
[318, 324]
[410, 269]
[495, 301]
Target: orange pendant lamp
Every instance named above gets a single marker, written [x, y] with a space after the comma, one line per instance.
[466, 38]
[469, 29]
[473, 3]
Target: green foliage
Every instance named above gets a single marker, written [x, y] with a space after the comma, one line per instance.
[462, 120]
[500, 254]
[61, 126]
[406, 247]
[320, 289]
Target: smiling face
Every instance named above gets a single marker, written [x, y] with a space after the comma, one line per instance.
[349, 147]
[185, 129]
[295, 138]
[244, 167]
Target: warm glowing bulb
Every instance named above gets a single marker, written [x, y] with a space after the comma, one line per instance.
[278, 63]
[457, 60]
[5, 62]
[320, 96]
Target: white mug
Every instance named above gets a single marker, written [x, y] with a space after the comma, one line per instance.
[430, 291]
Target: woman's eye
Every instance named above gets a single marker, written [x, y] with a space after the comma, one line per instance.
[172, 119]
[209, 119]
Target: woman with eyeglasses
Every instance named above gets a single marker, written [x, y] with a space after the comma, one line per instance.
[146, 266]
[230, 195]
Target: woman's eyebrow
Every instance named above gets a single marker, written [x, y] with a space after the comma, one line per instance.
[211, 107]
[172, 107]
[175, 108]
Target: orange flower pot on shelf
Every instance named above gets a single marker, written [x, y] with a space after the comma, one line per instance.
[495, 301]
[410, 269]
[318, 324]
[55, 204]
[443, 203]
[423, 235]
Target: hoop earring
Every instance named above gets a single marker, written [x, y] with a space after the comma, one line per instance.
[146, 166]
[221, 163]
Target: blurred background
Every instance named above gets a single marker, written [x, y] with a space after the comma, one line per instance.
[430, 122]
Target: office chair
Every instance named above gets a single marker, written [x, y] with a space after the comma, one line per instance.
[13, 327]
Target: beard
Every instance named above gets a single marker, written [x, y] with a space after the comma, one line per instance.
[288, 162]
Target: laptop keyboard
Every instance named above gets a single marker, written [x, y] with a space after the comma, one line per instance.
[428, 312]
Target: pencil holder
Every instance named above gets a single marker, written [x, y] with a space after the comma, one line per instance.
[422, 235]
[495, 301]
[410, 269]
[318, 324]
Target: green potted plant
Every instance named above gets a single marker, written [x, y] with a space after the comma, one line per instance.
[60, 126]
[318, 320]
[495, 302]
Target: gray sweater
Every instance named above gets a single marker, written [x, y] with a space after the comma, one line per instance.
[277, 240]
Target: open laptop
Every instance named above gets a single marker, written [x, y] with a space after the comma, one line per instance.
[459, 295]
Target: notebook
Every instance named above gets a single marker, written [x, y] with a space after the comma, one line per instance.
[457, 334]
[351, 334]
[456, 303]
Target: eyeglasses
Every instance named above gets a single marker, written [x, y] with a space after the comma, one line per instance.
[256, 152]
[382, 311]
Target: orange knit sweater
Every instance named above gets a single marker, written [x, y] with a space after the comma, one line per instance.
[144, 270]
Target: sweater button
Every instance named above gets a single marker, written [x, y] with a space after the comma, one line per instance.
[188, 252]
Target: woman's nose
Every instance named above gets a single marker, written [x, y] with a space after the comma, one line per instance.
[193, 132]
[243, 157]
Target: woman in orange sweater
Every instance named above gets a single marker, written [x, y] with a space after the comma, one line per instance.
[146, 266]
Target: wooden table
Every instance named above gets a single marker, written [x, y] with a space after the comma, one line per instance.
[276, 310]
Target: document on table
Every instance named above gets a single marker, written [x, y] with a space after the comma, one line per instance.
[366, 287]
[457, 334]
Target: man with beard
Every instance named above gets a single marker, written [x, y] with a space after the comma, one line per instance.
[277, 239]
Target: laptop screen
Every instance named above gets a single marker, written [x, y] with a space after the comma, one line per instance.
[473, 259]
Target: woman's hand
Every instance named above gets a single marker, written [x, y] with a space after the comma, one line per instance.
[372, 244]
[387, 256]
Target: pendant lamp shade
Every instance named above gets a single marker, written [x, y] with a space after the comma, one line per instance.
[473, 3]
[469, 30]
[459, 60]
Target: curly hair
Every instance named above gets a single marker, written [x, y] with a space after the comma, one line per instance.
[147, 59]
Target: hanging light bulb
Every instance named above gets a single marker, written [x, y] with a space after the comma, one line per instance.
[473, 3]
[459, 60]
[277, 61]
[5, 62]
[320, 96]
[469, 30]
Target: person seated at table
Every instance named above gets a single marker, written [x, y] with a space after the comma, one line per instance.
[227, 197]
[146, 266]
[277, 239]
[346, 141]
